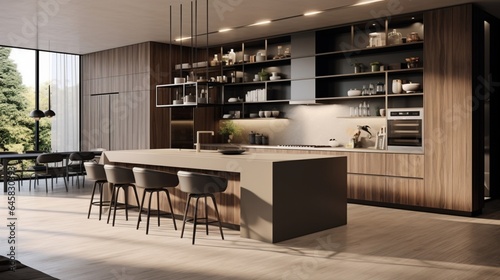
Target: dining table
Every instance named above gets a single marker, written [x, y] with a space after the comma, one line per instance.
[6, 157]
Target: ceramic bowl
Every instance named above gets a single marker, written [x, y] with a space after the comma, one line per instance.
[275, 113]
[232, 99]
[353, 92]
[268, 114]
[411, 87]
[274, 78]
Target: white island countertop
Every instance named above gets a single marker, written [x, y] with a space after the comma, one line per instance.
[282, 195]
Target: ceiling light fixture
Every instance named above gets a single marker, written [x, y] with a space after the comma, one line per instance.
[182, 39]
[260, 22]
[49, 113]
[312, 13]
[360, 3]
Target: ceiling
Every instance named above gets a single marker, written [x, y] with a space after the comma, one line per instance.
[82, 27]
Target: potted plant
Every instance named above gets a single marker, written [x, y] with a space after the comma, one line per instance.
[375, 66]
[263, 75]
[229, 129]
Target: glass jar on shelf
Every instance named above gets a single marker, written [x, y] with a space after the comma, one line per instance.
[394, 37]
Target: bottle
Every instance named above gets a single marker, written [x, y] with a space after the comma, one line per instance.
[360, 112]
[232, 57]
[368, 110]
[371, 89]
[364, 91]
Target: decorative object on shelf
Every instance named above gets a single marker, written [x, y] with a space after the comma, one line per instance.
[256, 95]
[215, 61]
[275, 113]
[258, 139]
[334, 143]
[394, 38]
[232, 99]
[375, 66]
[411, 87]
[229, 129]
[253, 115]
[261, 114]
[380, 88]
[375, 40]
[358, 67]
[268, 114]
[287, 52]
[280, 54]
[412, 62]
[382, 112]
[412, 37]
[371, 89]
[178, 100]
[246, 58]
[265, 140]
[364, 91]
[203, 98]
[260, 57]
[274, 76]
[263, 75]
[353, 92]
[179, 80]
[189, 99]
[231, 57]
[396, 86]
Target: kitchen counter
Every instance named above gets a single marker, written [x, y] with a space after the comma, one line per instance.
[333, 149]
[281, 196]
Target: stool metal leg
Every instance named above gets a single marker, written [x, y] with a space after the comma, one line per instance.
[171, 209]
[92, 199]
[185, 215]
[141, 207]
[195, 220]
[218, 217]
[112, 204]
[158, 206]
[149, 212]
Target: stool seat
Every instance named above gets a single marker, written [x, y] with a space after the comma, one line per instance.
[121, 178]
[200, 185]
[154, 181]
[95, 172]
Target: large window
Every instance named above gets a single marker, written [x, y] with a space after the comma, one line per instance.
[18, 84]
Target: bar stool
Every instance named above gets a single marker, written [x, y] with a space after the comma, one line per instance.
[75, 166]
[199, 185]
[95, 172]
[121, 178]
[153, 181]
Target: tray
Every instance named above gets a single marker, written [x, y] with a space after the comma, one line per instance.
[231, 151]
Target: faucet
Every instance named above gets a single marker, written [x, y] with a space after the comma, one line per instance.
[198, 144]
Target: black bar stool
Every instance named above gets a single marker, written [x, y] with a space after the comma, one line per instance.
[153, 181]
[121, 178]
[198, 185]
[95, 172]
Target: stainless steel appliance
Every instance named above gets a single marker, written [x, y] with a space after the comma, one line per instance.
[405, 128]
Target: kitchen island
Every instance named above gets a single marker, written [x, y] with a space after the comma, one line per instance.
[275, 196]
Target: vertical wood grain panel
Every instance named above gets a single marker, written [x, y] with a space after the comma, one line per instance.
[365, 187]
[366, 163]
[396, 190]
[438, 87]
[397, 165]
[462, 108]
[416, 166]
[448, 119]
[416, 190]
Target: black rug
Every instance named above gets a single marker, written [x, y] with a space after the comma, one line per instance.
[22, 272]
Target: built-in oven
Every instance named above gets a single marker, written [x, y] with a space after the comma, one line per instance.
[405, 129]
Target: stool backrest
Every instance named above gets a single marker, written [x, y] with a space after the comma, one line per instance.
[148, 178]
[119, 175]
[199, 183]
[95, 171]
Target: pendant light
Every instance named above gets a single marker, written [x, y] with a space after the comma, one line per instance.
[37, 114]
[49, 113]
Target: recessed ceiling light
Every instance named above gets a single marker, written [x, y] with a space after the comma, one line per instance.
[261, 22]
[225, 29]
[312, 13]
[365, 2]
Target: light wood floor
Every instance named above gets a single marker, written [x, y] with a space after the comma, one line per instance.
[55, 236]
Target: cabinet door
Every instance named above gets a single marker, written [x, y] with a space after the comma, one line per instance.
[405, 165]
[365, 187]
[405, 191]
[366, 163]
